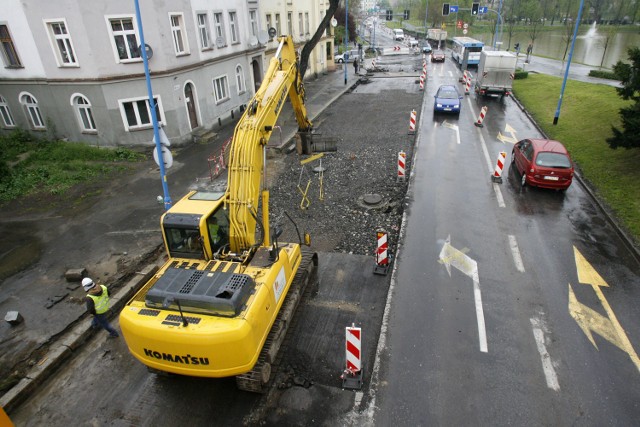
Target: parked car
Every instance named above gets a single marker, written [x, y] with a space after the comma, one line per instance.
[437, 55]
[543, 163]
[447, 100]
[352, 54]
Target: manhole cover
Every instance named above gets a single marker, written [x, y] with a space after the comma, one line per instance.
[372, 199]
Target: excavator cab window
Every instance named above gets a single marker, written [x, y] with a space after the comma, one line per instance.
[184, 242]
[218, 226]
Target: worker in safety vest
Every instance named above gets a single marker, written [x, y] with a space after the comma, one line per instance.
[98, 305]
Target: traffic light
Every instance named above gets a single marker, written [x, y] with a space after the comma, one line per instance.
[445, 9]
[406, 14]
[389, 15]
[474, 8]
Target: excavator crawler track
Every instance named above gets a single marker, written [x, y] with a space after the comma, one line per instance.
[257, 380]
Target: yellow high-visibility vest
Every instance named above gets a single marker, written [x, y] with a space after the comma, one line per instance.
[101, 303]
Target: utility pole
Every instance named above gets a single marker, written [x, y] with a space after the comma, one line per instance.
[566, 71]
[152, 107]
[346, 38]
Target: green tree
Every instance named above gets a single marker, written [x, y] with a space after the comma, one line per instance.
[629, 75]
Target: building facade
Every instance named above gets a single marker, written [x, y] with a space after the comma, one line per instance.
[300, 19]
[73, 69]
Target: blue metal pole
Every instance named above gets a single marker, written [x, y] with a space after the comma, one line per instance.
[499, 26]
[152, 106]
[566, 71]
[346, 38]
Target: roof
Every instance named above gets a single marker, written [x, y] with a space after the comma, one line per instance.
[548, 145]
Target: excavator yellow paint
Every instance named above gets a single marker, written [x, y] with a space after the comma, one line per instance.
[221, 301]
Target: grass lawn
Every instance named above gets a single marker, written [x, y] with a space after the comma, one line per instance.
[588, 111]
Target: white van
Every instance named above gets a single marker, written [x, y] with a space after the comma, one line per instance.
[398, 34]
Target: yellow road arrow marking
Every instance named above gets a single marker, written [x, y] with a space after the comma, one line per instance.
[589, 321]
[586, 273]
[504, 138]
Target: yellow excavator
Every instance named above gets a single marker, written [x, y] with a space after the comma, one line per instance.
[220, 306]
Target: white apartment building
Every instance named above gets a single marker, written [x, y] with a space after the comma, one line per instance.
[300, 19]
[73, 68]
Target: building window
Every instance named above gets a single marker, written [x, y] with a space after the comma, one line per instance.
[253, 21]
[300, 24]
[11, 59]
[5, 112]
[221, 89]
[278, 28]
[240, 79]
[235, 31]
[306, 23]
[203, 31]
[218, 22]
[30, 105]
[269, 24]
[84, 114]
[61, 40]
[125, 39]
[290, 23]
[177, 30]
[136, 113]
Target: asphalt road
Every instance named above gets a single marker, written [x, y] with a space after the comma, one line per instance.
[492, 284]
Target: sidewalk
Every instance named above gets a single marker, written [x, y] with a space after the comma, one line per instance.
[115, 231]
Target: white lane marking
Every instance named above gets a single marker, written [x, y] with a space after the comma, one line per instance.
[515, 252]
[547, 366]
[450, 256]
[485, 151]
[482, 332]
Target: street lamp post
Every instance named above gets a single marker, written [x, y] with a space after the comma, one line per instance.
[152, 107]
[346, 38]
[566, 71]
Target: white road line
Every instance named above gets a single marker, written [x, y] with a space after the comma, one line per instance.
[485, 151]
[547, 366]
[515, 252]
[482, 331]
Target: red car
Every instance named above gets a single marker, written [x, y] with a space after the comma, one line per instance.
[437, 55]
[543, 163]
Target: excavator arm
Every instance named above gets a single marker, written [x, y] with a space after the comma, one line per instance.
[248, 148]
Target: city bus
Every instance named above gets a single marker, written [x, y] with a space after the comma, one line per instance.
[466, 44]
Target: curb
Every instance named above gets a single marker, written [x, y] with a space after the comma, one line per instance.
[69, 343]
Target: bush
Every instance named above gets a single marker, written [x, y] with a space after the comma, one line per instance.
[520, 75]
[603, 74]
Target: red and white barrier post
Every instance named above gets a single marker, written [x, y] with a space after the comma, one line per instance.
[412, 122]
[483, 113]
[497, 173]
[422, 80]
[382, 253]
[402, 161]
[352, 375]
[467, 85]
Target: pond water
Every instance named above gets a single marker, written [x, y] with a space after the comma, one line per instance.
[589, 48]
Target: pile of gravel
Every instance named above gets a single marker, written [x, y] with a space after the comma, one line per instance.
[370, 128]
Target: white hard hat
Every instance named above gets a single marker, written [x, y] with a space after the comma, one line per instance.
[87, 283]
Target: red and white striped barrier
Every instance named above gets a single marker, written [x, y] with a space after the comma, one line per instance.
[396, 48]
[402, 161]
[483, 112]
[382, 253]
[412, 122]
[497, 173]
[424, 66]
[467, 85]
[373, 63]
[352, 375]
[422, 80]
